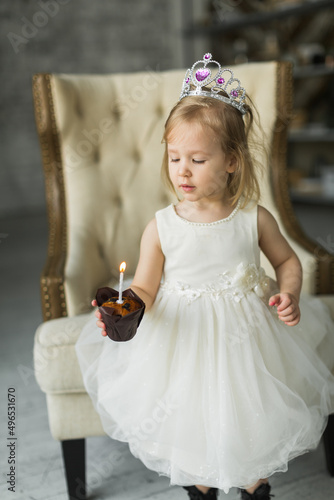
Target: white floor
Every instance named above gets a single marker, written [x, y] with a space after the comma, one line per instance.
[112, 472]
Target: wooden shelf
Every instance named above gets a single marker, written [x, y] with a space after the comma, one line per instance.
[237, 21]
[312, 135]
[312, 71]
[311, 199]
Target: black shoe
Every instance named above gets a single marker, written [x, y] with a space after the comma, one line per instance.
[261, 493]
[195, 494]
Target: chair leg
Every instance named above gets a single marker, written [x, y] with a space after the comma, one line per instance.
[75, 470]
[329, 444]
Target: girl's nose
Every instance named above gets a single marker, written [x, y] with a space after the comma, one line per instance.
[184, 168]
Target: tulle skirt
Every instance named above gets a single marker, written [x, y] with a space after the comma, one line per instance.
[214, 391]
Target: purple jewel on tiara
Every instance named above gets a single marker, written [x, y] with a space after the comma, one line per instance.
[220, 81]
[202, 73]
[235, 93]
[187, 80]
[207, 56]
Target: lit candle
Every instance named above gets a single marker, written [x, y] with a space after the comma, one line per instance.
[122, 268]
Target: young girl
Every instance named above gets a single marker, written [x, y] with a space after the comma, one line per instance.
[222, 384]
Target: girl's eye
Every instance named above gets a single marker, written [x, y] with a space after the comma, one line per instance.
[174, 160]
[198, 161]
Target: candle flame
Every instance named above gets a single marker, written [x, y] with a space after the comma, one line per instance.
[122, 267]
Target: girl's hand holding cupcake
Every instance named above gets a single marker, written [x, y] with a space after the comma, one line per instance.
[99, 323]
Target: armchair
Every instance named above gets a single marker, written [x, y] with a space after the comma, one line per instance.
[100, 138]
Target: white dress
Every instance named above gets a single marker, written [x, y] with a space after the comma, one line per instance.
[214, 389]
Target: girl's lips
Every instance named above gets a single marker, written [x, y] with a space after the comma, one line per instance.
[187, 188]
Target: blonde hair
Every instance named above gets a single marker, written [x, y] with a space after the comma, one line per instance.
[231, 129]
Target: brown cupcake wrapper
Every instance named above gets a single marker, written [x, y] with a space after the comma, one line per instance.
[119, 328]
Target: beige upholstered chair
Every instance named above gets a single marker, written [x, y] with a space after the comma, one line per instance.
[101, 146]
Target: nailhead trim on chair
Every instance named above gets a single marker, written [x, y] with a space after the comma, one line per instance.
[52, 280]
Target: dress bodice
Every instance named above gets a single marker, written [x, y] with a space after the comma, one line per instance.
[197, 253]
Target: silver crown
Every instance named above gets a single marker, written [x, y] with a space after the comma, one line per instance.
[217, 79]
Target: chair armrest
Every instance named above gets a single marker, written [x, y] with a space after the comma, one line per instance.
[53, 275]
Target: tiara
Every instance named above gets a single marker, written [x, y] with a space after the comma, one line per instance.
[201, 76]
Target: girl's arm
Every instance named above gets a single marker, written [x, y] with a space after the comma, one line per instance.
[150, 265]
[287, 268]
[149, 270]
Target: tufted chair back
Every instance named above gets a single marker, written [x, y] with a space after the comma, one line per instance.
[101, 145]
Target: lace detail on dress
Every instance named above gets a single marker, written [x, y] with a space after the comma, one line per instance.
[247, 278]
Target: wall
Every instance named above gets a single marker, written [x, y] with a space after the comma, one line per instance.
[69, 36]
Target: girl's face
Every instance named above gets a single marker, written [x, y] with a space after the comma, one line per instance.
[197, 165]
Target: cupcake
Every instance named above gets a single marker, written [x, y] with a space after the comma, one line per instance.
[121, 319]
